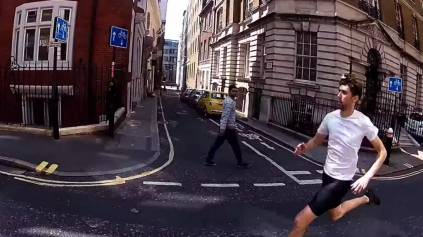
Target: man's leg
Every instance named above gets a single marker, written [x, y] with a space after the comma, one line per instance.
[233, 141]
[217, 143]
[347, 206]
[302, 221]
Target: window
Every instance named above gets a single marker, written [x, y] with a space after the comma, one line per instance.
[219, 21]
[32, 35]
[398, 17]
[306, 56]
[415, 33]
[247, 61]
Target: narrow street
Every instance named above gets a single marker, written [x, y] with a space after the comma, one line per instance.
[188, 199]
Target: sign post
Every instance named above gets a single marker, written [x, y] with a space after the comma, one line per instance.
[60, 33]
[118, 39]
[395, 86]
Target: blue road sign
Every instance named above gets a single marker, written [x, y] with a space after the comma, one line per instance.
[61, 31]
[119, 37]
[395, 84]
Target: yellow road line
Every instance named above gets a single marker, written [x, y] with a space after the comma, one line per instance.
[363, 171]
[41, 166]
[117, 181]
[51, 169]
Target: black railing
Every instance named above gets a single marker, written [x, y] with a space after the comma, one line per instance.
[304, 114]
[369, 9]
[26, 94]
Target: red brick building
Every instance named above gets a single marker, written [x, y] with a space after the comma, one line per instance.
[84, 61]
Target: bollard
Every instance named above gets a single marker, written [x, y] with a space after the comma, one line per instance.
[388, 145]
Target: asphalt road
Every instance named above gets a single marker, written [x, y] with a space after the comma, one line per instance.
[188, 199]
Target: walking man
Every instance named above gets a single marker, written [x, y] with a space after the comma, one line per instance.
[227, 130]
[346, 129]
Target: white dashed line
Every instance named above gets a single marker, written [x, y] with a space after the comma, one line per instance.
[408, 165]
[214, 122]
[220, 185]
[319, 171]
[299, 172]
[288, 173]
[265, 144]
[270, 185]
[162, 183]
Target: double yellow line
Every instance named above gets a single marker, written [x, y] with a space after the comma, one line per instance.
[42, 168]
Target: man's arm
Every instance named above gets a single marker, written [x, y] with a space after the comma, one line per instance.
[225, 116]
[316, 141]
[381, 156]
[361, 184]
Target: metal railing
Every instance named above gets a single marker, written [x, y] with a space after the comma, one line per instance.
[304, 114]
[26, 94]
[371, 10]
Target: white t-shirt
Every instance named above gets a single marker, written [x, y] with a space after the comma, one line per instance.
[345, 137]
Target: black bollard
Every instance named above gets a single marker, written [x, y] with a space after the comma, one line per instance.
[388, 145]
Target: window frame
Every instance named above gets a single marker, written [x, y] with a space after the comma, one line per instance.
[310, 56]
[20, 25]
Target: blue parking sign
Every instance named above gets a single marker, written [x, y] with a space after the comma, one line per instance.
[61, 31]
[395, 84]
[119, 37]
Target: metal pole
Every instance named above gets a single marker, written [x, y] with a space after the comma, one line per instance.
[55, 119]
[111, 97]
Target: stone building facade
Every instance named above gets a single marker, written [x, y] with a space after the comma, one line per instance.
[299, 48]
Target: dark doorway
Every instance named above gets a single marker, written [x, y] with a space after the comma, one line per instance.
[258, 92]
[373, 83]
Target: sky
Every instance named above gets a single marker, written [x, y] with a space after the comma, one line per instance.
[175, 9]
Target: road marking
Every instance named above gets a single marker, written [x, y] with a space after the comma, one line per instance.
[265, 144]
[299, 172]
[319, 171]
[214, 122]
[51, 169]
[305, 158]
[162, 183]
[270, 185]
[282, 169]
[220, 185]
[363, 171]
[408, 165]
[41, 166]
[110, 182]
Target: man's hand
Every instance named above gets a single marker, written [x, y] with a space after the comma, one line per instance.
[301, 149]
[360, 185]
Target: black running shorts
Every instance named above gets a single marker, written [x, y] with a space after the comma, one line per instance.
[330, 195]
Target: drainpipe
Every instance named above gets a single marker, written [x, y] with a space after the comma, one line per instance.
[91, 112]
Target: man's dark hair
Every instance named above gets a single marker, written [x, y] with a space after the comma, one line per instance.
[232, 87]
[355, 86]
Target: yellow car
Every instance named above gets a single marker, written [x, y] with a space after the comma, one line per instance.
[211, 103]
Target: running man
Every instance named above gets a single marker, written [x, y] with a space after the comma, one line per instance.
[346, 128]
[227, 131]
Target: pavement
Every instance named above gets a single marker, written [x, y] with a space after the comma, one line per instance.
[402, 159]
[188, 199]
[135, 145]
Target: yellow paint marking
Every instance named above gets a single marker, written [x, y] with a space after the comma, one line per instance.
[363, 171]
[41, 166]
[110, 182]
[51, 169]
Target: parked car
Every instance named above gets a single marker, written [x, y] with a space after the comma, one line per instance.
[414, 125]
[194, 97]
[211, 103]
[184, 95]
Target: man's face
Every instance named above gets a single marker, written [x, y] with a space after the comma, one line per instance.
[233, 93]
[345, 98]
